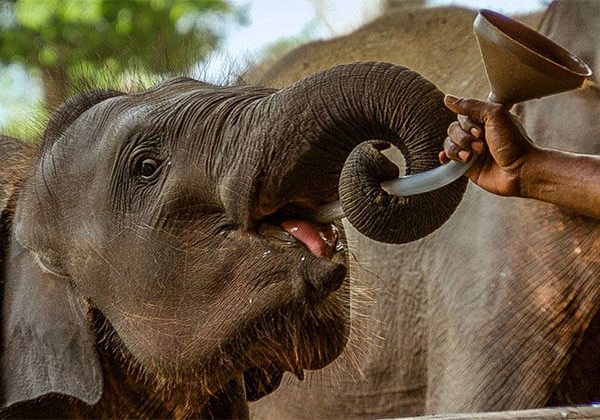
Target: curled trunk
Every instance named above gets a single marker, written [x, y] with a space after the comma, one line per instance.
[341, 119]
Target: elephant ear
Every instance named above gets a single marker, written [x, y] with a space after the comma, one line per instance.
[10, 151]
[15, 157]
[48, 346]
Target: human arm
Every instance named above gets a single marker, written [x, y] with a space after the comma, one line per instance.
[510, 164]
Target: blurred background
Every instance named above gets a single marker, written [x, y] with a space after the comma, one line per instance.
[50, 48]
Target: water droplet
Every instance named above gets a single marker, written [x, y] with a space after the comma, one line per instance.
[266, 253]
[577, 251]
[250, 301]
[303, 259]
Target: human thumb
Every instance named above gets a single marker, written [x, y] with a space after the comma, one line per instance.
[452, 103]
[471, 107]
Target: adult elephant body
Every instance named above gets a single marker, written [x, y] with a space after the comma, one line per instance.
[496, 310]
[155, 261]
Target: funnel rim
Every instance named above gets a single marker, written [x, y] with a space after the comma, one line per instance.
[582, 70]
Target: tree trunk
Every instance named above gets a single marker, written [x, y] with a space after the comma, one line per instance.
[56, 89]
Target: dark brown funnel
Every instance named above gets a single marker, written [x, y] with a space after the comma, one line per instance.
[522, 64]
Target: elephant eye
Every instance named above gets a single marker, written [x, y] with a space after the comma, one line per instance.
[149, 167]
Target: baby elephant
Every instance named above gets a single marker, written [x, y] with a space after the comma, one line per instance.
[156, 257]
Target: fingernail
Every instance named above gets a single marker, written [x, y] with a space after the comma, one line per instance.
[475, 132]
[450, 99]
[464, 155]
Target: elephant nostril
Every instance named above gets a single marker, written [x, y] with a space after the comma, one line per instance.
[321, 280]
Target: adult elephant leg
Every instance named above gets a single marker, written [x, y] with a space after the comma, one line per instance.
[545, 122]
[509, 304]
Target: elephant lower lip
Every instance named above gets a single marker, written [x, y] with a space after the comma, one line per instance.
[320, 239]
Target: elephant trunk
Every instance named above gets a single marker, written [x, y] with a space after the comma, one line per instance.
[315, 143]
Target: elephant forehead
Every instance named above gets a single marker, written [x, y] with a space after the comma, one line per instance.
[177, 85]
[171, 92]
[95, 136]
[113, 116]
[125, 120]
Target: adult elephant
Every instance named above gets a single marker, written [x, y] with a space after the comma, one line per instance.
[155, 262]
[496, 310]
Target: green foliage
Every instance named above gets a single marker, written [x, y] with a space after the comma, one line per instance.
[19, 97]
[121, 34]
[62, 37]
[27, 126]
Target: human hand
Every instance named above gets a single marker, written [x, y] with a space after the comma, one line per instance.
[492, 132]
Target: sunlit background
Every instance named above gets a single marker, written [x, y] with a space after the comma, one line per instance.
[241, 32]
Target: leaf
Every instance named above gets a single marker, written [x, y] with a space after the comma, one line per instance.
[160, 36]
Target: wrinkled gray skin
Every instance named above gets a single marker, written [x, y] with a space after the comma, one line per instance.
[496, 310]
[143, 267]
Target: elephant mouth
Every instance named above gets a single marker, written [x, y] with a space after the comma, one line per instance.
[322, 266]
[321, 240]
[290, 227]
[312, 328]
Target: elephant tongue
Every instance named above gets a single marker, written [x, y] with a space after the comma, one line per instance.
[319, 239]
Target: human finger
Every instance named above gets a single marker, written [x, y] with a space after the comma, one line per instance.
[455, 152]
[463, 139]
[443, 157]
[470, 126]
[470, 107]
[477, 110]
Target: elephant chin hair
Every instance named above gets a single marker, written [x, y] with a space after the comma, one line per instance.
[271, 330]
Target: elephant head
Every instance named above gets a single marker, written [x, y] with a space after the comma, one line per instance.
[165, 231]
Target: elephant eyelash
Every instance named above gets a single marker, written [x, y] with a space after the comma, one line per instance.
[225, 228]
[144, 147]
[147, 156]
[142, 165]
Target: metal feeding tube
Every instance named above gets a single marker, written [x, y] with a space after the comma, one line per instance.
[403, 186]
